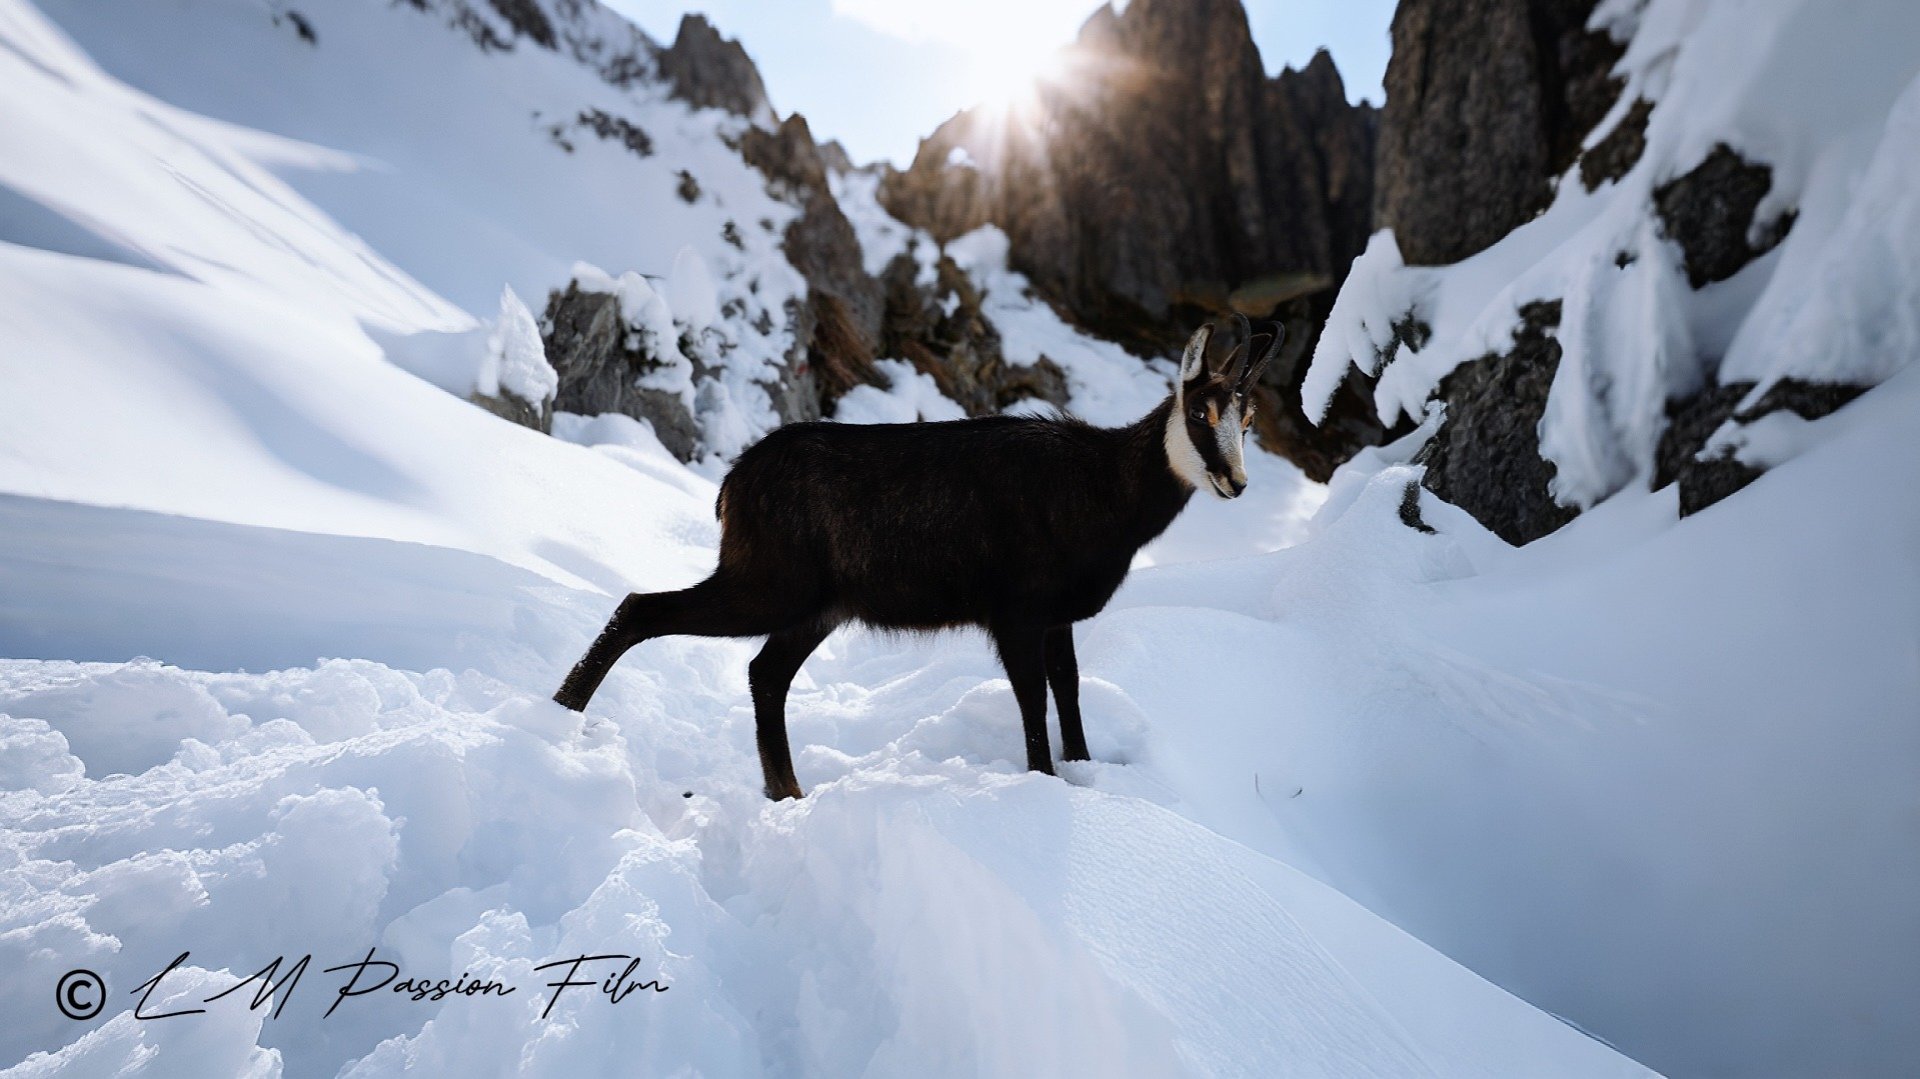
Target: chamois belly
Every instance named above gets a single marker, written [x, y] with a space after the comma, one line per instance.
[935, 597]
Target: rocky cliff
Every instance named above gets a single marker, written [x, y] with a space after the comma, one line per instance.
[1487, 102]
[1162, 178]
[1160, 175]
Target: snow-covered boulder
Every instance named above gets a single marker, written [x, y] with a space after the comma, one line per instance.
[616, 349]
[515, 380]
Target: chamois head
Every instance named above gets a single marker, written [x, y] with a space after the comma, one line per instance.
[1213, 407]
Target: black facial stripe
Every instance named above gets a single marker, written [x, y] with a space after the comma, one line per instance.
[1209, 447]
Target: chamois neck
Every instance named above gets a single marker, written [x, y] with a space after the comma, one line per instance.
[1162, 493]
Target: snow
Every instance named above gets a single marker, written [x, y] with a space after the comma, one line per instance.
[882, 237]
[692, 290]
[90, 148]
[910, 395]
[516, 359]
[282, 617]
[1831, 104]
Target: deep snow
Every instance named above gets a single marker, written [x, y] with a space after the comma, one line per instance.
[1604, 771]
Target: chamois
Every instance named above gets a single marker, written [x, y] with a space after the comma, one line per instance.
[1019, 525]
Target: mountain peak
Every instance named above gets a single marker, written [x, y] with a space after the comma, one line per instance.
[710, 71]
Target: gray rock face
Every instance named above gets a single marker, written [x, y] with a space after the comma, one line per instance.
[1229, 185]
[708, 71]
[517, 409]
[618, 52]
[1709, 212]
[527, 20]
[1486, 456]
[1691, 422]
[1486, 101]
[943, 333]
[1619, 150]
[599, 362]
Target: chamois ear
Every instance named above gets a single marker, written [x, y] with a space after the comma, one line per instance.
[1259, 356]
[1194, 359]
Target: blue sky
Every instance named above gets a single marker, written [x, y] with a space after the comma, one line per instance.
[879, 74]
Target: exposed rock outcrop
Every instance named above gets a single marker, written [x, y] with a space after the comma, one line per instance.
[1487, 100]
[527, 20]
[944, 334]
[847, 319]
[1160, 177]
[1485, 458]
[601, 361]
[512, 407]
[1619, 150]
[839, 327]
[708, 71]
[1710, 212]
[612, 48]
[1690, 423]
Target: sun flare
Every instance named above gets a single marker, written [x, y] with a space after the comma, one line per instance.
[1008, 75]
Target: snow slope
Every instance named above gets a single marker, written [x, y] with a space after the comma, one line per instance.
[1584, 768]
[1733, 829]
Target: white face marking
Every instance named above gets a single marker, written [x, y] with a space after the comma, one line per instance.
[1181, 452]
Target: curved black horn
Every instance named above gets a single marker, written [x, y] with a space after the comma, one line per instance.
[1255, 366]
[1244, 350]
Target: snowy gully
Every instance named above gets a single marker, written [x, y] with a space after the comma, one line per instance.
[367, 976]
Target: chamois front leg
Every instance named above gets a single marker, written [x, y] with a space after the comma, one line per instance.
[1023, 653]
[1063, 674]
[770, 675]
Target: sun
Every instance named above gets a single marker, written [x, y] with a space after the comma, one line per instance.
[1007, 76]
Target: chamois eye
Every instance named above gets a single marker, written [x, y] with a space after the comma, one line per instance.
[1199, 415]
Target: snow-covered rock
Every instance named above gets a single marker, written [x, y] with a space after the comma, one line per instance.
[1738, 128]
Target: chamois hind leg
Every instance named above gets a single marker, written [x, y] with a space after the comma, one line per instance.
[720, 606]
[1063, 674]
[770, 675]
[1023, 653]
